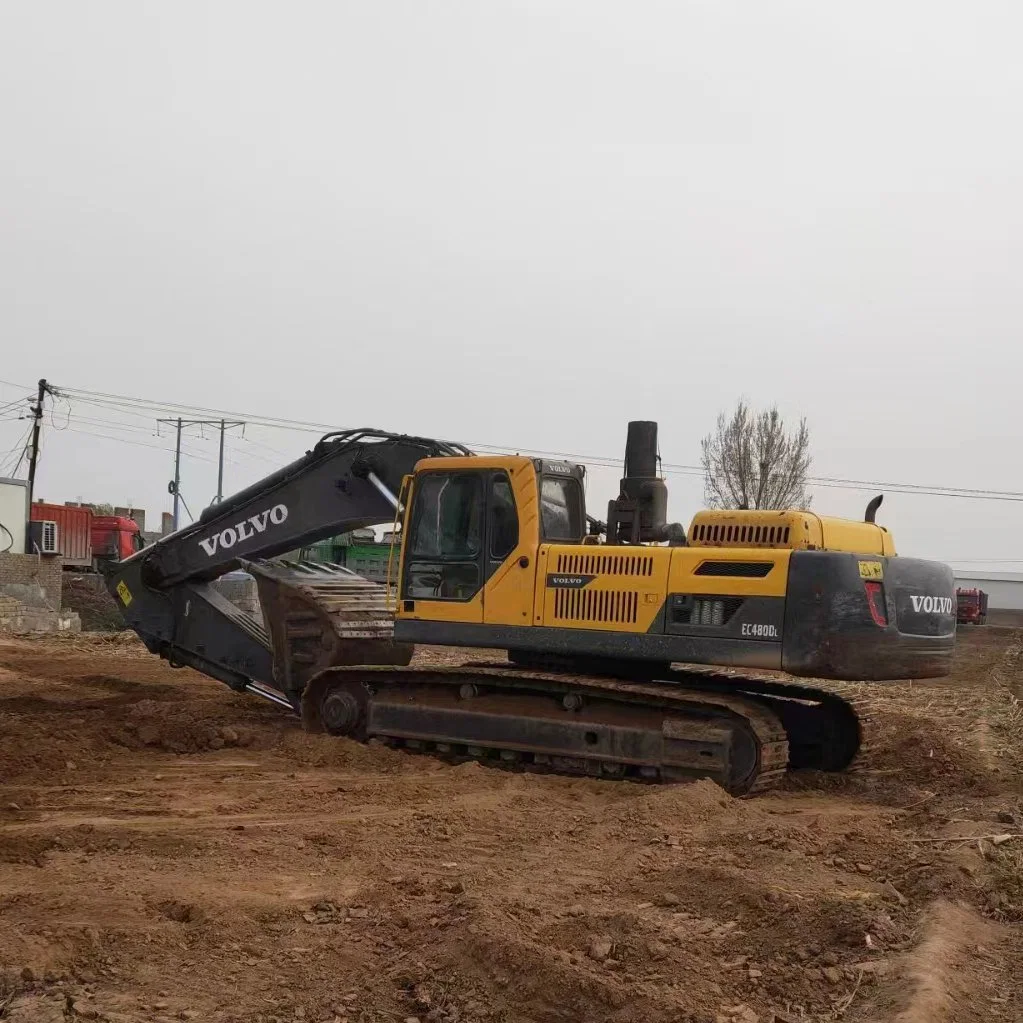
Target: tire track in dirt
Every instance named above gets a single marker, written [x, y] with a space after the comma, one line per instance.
[961, 968]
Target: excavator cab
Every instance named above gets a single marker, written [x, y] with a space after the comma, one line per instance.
[473, 527]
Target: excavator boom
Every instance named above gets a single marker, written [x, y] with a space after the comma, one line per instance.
[349, 480]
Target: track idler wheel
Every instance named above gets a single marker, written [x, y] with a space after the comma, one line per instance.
[340, 712]
[336, 706]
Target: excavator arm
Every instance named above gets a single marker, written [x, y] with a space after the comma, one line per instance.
[317, 615]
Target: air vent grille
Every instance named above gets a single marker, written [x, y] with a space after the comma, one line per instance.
[740, 535]
[585, 605]
[704, 610]
[606, 564]
[736, 569]
[43, 536]
[49, 544]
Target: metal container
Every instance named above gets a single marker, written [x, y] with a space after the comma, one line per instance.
[370, 561]
[74, 530]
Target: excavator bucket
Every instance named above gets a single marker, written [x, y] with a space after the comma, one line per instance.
[323, 616]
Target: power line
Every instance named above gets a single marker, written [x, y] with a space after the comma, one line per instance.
[176, 407]
[267, 447]
[238, 452]
[110, 424]
[20, 448]
[114, 424]
[15, 403]
[929, 488]
[21, 458]
[839, 482]
[12, 464]
[136, 443]
[128, 428]
[134, 405]
[77, 422]
[132, 427]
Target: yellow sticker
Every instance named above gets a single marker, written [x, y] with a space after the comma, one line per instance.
[871, 570]
[124, 593]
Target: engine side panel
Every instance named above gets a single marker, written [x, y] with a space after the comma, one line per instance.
[605, 589]
[811, 613]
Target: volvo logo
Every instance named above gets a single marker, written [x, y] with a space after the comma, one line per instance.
[932, 605]
[568, 582]
[244, 530]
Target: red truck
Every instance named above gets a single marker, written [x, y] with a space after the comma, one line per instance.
[114, 537]
[971, 607]
[85, 539]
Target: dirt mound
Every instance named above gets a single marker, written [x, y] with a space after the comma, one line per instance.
[176, 729]
[961, 967]
[64, 714]
[88, 595]
[908, 747]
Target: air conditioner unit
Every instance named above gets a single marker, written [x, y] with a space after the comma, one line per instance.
[42, 537]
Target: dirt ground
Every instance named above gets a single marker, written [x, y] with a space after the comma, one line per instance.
[172, 851]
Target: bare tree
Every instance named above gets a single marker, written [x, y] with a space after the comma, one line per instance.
[750, 461]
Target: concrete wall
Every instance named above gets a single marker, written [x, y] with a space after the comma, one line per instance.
[16, 617]
[34, 580]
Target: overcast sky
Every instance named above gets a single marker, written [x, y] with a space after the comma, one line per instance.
[523, 224]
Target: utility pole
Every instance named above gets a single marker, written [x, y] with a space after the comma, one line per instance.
[225, 425]
[179, 424]
[37, 416]
[220, 465]
[177, 475]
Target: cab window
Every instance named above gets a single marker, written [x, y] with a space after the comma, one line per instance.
[561, 509]
[445, 538]
[504, 520]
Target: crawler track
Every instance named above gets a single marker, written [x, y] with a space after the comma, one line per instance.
[741, 731]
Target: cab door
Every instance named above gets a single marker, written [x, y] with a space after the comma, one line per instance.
[510, 552]
[445, 559]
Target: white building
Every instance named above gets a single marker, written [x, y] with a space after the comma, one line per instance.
[1004, 589]
[13, 515]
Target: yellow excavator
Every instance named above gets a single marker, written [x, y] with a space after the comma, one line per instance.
[630, 647]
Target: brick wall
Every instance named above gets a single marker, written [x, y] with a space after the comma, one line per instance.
[32, 571]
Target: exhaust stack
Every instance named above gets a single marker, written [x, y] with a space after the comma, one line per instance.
[639, 514]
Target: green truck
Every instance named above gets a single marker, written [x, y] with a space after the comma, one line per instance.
[359, 551]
